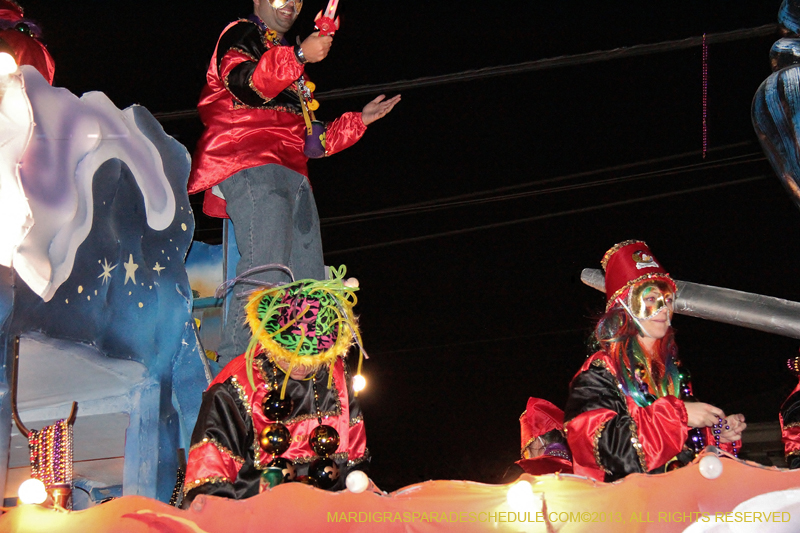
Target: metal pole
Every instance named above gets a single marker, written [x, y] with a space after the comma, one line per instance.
[745, 309]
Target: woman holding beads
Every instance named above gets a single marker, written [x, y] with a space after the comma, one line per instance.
[630, 407]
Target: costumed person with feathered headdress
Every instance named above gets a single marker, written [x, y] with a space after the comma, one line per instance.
[630, 407]
[22, 38]
[286, 409]
[544, 447]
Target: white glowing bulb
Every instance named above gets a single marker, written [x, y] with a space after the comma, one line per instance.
[32, 491]
[710, 467]
[520, 496]
[7, 64]
[357, 482]
[359, 383]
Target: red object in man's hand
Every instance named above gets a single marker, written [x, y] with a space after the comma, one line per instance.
[326, 24]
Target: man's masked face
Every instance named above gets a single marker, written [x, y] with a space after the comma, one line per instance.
[649, 299]
[278, 4]
[278, 15]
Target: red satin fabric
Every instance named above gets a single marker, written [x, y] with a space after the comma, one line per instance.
[10, 11]
[207, 461]
[238, 137]
[790, 436]
[29, 51]
[545, 464]
[791, 440]
[662, 429]
[580, 436]
[276, 69]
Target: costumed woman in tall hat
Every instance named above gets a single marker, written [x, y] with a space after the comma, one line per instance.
[286, 409]
[630, 407]
[543, 444]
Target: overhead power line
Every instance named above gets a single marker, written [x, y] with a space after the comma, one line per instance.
[527, 66]
[576, 175]
[546, 216]
[553, 62]
[449, 204]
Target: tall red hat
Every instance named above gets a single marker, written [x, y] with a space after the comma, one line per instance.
[10, 10]
[627, 264]
[539, 417]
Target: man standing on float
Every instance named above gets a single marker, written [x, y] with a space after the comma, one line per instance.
[250, 160]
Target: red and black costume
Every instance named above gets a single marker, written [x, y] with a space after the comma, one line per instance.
[609, 435]
[226, 459]
[251, 110]
[625, 412]
[539, 422]
[790, 421]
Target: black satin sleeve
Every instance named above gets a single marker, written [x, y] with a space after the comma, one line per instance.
[224, 420]
[596, 388]
[245, 37]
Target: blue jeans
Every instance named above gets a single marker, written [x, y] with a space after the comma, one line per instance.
[275, 220]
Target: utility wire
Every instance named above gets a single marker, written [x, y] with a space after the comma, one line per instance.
[402, 211]
[518, 68]
[567, 177]
[430, 205]
[545, 216]
[560, 61]
[491, 195]
[480, 341]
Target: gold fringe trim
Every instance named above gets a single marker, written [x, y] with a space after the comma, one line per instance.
[791, 425]
[638, 445]
[242, 395]
[356, 420]
[359, 460]
[522, 450]
[596, 447]
[215, 480]
[220, 448]
[341, 456]
[617, 247]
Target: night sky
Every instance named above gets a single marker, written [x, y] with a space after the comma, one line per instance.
[463, 327]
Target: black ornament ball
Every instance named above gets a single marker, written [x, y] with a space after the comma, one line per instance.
[307, 480]
[286, 466]
[325, 472]
[23, 28]
[324, 440]
[274, 408]
[275, 439]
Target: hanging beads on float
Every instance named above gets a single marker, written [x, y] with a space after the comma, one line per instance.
[51, 452]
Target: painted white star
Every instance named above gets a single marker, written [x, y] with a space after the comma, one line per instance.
[130, 270]
[158, 268]
[106, 275]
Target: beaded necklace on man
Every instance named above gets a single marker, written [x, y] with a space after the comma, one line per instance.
[276, 438]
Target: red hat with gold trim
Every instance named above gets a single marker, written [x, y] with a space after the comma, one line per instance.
[627, 264]
[539, 417]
